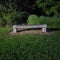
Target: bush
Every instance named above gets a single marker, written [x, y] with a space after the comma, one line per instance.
[55, 21]
[33, 19]
[42, 19]
[50, 21]
[2, 22]
[45, 20]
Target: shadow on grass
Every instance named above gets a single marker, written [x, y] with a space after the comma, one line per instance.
[48, 29]
[53, 29]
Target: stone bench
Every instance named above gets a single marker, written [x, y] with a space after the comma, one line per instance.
[15, 27]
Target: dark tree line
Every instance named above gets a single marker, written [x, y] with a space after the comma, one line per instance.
[19, 10]
[44, 7]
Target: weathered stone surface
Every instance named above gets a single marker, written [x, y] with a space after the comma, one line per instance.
[15, 27]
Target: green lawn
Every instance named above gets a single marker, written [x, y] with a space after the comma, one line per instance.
[29, 47]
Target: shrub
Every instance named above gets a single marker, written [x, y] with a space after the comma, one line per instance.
[50, 21]
[33, 19]
[55, 21]
[2, 22]
[42, 19]
[9, 14]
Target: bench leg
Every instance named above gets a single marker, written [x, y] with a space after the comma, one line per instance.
[43, 29]
[14, 30]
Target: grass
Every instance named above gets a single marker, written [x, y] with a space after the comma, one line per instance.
[29, 46]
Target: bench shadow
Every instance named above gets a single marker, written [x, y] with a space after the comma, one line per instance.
[48, 29]
[53, 29]
[28, 29]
